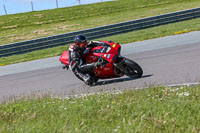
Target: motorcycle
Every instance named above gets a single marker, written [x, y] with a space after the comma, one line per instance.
[114, 65]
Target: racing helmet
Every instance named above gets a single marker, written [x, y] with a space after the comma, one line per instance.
[80, 41]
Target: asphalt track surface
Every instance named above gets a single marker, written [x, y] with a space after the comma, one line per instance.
[165, 61]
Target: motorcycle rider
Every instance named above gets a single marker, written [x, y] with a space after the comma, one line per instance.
[76, 51]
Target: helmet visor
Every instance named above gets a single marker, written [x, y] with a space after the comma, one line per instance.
[81, 44]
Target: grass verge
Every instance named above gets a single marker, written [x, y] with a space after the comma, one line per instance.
[159, 109]
[155, 32]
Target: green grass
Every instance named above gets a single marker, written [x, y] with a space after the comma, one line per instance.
[159, 109]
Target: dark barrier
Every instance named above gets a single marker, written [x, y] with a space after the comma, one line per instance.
[94, 33]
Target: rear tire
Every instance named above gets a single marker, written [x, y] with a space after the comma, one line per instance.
[132, 69]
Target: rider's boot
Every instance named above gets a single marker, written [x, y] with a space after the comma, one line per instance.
[86, 78]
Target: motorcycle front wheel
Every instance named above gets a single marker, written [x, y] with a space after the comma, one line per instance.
[132, 69]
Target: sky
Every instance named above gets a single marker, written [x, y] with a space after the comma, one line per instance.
[20, 6]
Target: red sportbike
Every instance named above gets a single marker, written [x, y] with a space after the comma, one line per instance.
[114, 65]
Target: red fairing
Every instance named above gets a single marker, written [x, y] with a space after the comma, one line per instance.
[115, 46]
[107, 71]
[64, 58]
[91, 57]
[111, 55]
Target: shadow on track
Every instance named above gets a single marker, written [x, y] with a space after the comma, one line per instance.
[120, 80]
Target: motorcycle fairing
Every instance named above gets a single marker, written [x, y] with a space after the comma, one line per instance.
[102, 72]
[64, 58]
[115, 46]
[107, 71]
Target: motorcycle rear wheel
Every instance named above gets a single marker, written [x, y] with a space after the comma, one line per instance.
[132, 69]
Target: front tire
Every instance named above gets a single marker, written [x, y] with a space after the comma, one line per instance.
[132, 69]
